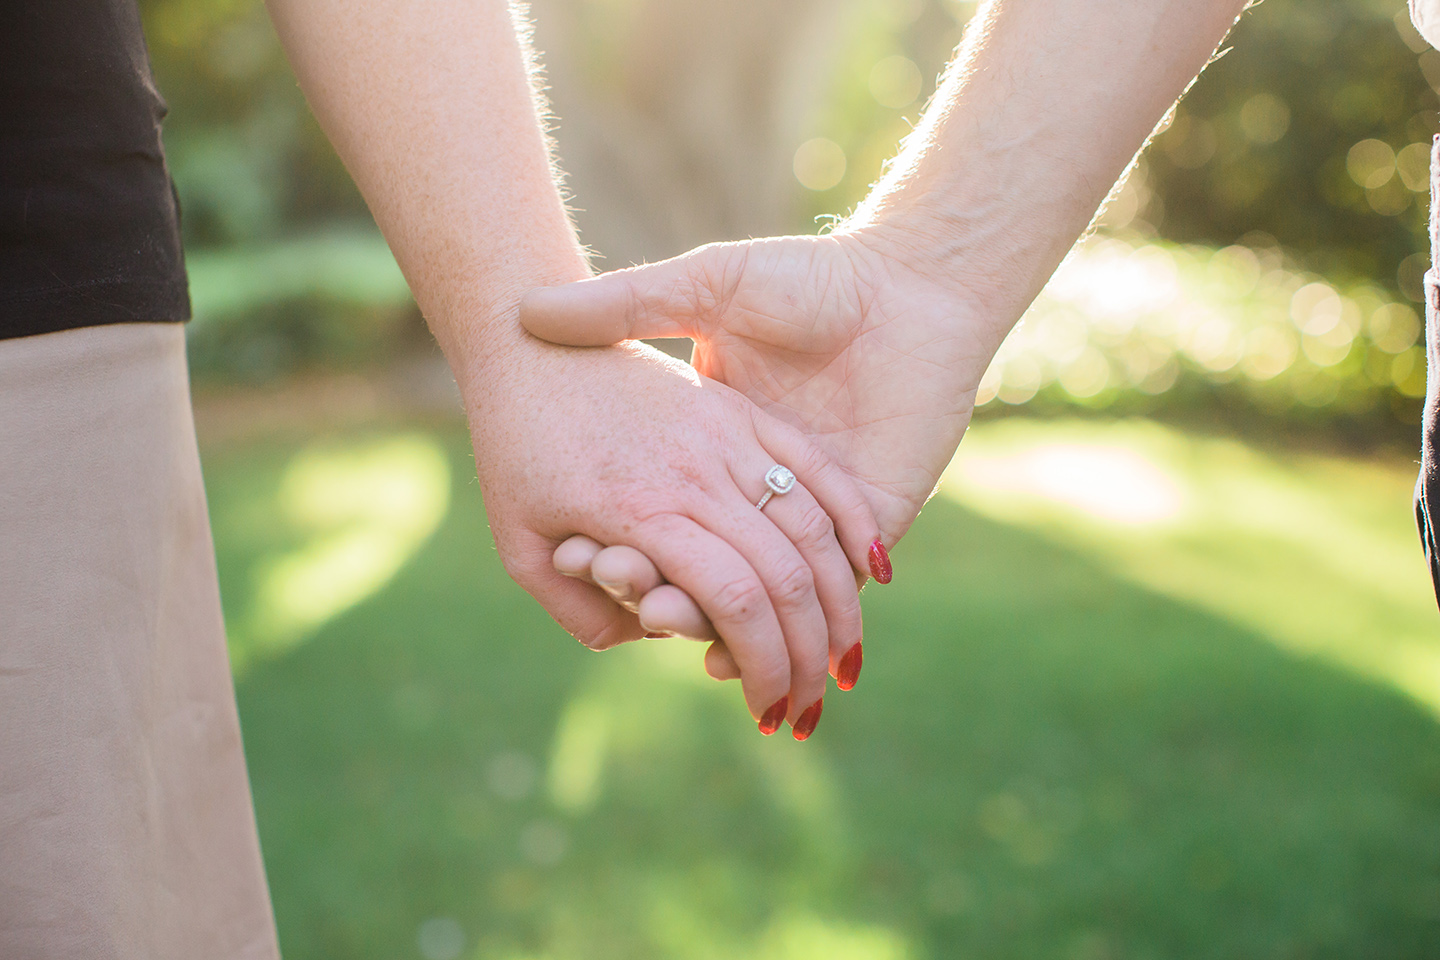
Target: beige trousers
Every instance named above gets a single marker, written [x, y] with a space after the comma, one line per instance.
[126, 828]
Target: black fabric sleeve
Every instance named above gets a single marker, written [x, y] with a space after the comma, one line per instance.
[89, 222]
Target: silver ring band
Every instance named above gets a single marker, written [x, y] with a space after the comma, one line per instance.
[778, 480]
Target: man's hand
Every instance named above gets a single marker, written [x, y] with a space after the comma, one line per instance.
[874, 361]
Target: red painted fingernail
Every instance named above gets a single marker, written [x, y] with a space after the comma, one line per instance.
[849, 671]
[775, 716]
[805, 723]
[658, 635]
[880, 563]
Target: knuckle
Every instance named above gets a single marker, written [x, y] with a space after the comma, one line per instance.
[794, 585]
[644, 499]
[816, 529]
[634, 512]
[810, 460]
[633, 505]
[739, 600]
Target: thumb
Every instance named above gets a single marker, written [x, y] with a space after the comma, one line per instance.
[585, 611]
[656, 300]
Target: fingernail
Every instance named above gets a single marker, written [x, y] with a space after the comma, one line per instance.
[621, 593]
[880, 563]
[659, 635]
[849, 671]
[805, 723]
[775, 716]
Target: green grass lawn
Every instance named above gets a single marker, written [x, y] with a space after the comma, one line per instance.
[1183, 707]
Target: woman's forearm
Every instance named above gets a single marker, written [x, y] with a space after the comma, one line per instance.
[429, 104]
[1044, 105]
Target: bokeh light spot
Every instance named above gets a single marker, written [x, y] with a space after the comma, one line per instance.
[1390, 199]
[1155, 312]
[1407, 372]
[1190, 142]
[1323, 352]
[1269, 351]
[544, 843]
[1116, 484]
[1413, 165]
[440, 938]
[366, 510]
[1087, 376]
[1410, 275]
[1370, 163]
[1315, 308]
[895, 82]
[578, 756]
[1264, 118]
[819, 164]
[1394, 327]
[1020, 381]
[511, 775]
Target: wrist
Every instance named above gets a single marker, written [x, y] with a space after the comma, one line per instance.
[977, 226]
[478, 327]
[963, 267]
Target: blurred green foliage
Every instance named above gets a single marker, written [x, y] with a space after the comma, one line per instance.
[287, 269]
[1259, 151]
[1306, 141]
[1123, 324]
[248, 159]
[1266, 141]
[1304, 146]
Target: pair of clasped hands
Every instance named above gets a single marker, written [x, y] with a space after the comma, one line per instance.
[831, 356]
[852, 358]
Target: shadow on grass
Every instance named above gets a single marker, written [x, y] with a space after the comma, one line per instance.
[1039, 761]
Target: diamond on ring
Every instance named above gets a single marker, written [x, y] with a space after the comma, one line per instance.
[778, 480]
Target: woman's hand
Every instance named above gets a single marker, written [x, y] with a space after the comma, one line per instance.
[634, 582]
[628, 445]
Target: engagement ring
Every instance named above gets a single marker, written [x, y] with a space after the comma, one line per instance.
[779, 480]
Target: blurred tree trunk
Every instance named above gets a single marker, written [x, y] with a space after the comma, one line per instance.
[678, 119]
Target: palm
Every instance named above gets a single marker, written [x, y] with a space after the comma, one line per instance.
[877, 368]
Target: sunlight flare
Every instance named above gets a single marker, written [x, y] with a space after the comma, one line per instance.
[1315, 554]
[363, 512]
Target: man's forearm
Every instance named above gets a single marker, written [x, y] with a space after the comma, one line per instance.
[429, 105]
[1043, 107]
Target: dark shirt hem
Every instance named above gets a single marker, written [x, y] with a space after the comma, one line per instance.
[93, 305]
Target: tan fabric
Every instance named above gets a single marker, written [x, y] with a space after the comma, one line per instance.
[126, 829]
